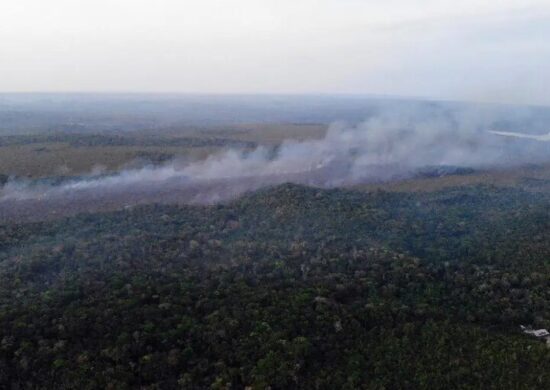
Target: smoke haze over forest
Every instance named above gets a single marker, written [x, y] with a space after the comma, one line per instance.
[395, 141]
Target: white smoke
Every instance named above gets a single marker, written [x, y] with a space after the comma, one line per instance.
[387, 146]
[541, 137]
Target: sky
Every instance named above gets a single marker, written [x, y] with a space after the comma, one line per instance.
[476, 50]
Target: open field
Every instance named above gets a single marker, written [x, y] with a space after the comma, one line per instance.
[51, 159]
[530, 178]
[54, 154]
[62, 156]
[272, 133]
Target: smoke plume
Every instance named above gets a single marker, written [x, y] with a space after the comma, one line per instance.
[385, 147]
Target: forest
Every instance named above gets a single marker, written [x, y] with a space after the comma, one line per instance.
[287, 287]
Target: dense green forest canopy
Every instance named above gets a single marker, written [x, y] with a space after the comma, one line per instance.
[289, 287]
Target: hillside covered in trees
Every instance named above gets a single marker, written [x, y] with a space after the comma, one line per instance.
[288, 287]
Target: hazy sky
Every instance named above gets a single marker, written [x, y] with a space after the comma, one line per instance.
[495, 50]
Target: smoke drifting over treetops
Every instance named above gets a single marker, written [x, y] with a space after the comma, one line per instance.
[386, 146]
